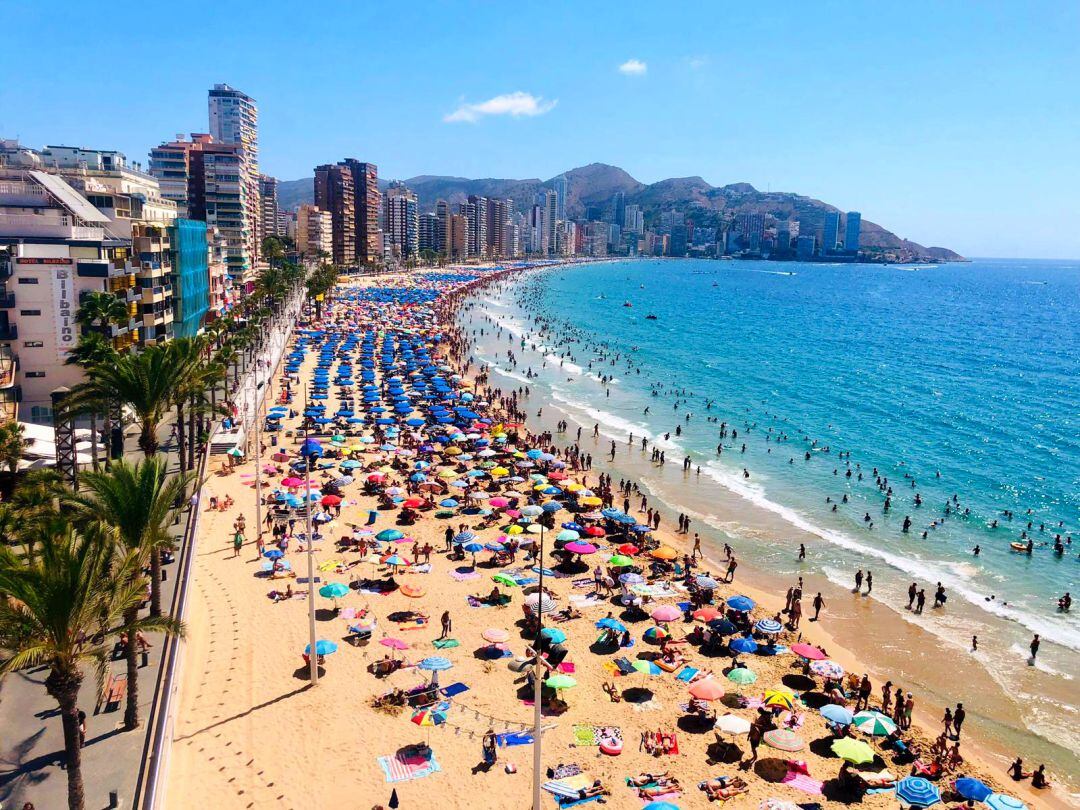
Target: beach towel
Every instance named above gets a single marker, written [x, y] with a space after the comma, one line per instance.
[663, 797]
[515, 738]
[874, 791]
[585, 736]
[305, 580]
[526, 580]
[564, 772]
[547, 571]
[686, 675]
[476, 603]
[566, 667]
[586, 582]
[575, 802]
[402, 768]
[464, 576]
[684, 606]
[445, 643]
[803, 782]
[454, 689]
[610, 668]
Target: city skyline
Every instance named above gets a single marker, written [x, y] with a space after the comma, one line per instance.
[944, 125]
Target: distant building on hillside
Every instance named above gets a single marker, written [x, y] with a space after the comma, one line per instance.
[851, 231]
[831, 233]
[561, 187]
[805, 247]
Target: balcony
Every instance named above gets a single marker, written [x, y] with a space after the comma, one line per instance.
[49, 226]
[7, 300]
[9, 364]
[9, 331]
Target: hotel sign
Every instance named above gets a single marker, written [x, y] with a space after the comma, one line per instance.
[32, 260]
[64, 307]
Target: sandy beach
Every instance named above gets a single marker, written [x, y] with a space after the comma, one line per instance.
[253, 731]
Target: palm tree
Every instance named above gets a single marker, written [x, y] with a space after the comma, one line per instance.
[194, 378]
[144, 382]
[92, 351]
[132, 505]
[101, 310]
[60, 609]
[12, 445]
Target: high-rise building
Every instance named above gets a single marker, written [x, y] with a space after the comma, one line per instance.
[477, 212]
[314, 232]
[234, 119]
[268, 208]
[190, 275]
[499, 212]
[402, 220]
[335, 194]
[805, 246]
[170, 163]
[851, 231]
[786, 231]
[431, 229]
[456, 237]
[634, 219]
[618, 209]
[831, 232]
[551, 218]
[368, 239]
[561, 186]
[750, 228]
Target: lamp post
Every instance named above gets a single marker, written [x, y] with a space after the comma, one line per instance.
[313, 657]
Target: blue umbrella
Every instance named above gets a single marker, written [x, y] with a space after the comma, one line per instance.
[311, 448]
[971, 788]
[837, 714]
[322, 647]
[1001, 801]
[464, 537]
[435, 664]
[553, 634]
[551, 506]
[743, 604]
[612, 624]
[472, 548]
[660, 806]
[743, 645]
[917, 792]
[769, 626]
[722, 626]
[273, 554]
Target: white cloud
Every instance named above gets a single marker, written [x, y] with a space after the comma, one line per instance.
[516, 105]
[633, 67]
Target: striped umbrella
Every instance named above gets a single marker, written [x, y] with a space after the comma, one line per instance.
[429, 717]
[783, 739]
[435, 664]
[917, 791]
[874, 723]
[827, 669]
[768, 626]
[539, 603]
[778, 697]
[647, 667]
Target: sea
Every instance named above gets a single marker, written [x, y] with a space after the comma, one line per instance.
[958, 383]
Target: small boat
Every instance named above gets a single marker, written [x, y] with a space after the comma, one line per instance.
[627, 304]
[650, 317]
[1022, 547]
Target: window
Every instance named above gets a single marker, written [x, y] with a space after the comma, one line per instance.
[32, 344]
[29, 312]
[28, 279]
[40, 414]
[35, 374]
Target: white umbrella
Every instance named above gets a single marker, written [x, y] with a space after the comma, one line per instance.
[540, 603]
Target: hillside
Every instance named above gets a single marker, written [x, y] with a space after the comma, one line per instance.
[706, 205]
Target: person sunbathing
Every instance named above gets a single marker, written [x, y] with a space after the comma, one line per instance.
[643, 779]
[662, 787]
[595, 789]
[724, 787]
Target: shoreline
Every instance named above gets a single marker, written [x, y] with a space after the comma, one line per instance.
[761, 585]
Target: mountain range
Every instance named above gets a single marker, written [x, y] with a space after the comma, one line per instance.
[595, 185]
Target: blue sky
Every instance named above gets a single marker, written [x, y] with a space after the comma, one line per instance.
[951, 123]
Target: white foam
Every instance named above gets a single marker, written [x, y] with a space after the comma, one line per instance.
[513, 375]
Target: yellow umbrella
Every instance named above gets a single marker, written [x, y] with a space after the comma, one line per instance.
[452, 451]
[591, 500]
[499, 472]
[447, 474]
[779, 697]
[515, 529]
[574, 486]
[664, 553]
[539, 487]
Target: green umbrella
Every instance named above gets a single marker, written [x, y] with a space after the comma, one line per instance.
[854, 751]
[334, 590]
[874, 723]
[620, 560]
[505, 579]
[560, 681]
[742, 676]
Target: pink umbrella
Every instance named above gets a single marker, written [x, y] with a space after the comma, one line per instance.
[499, 503]
[291, 482]
[495, 635]
[707, 689]
[575, 547]
[666, 613]
[808, 651]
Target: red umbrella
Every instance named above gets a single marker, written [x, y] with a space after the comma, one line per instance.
[413, 503]
[376, 477]
[595, 531]
[707, 613]
[330, 500]
[628, 548]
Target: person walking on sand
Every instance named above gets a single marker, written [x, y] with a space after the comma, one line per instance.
[754, 738]
[858, 580]
[865, 690]
[796, 613]
[730, 575]
[912, 592]
[947, 721]
[886, 698]
[958, 720]
[909, 709]
[819, 603]
[447, 624]
[448, 536]
[1034, 647]
[697, 547]
[869, 581]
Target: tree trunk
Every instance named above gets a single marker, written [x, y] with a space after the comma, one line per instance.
[155, 583]
[181, 435]
[94, 442]
[193, 436]
[148, 442]
[131, 710]
[64, 688]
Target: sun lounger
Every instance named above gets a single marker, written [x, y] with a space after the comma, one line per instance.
[454, 689]
[664, 665]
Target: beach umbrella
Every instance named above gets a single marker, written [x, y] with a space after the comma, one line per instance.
[551, 507]
[742, 676]
[768, 626]
[707, 613]
[560, 681]
[631, 579]
[742, 645]
[732, 724]
[595, 531]
[779, 697]
[722, 626]
[647, 667]
[611, 624]
[620, 561]
[808, 651]
[567, 535]
[783, 739]
[854, 751]
[429, 717]
[394, 560]
[273, 554]
[412, 503]
[708, 583]
[389, 535]
[1001, 801]
[873, 723]
[464, 537]
[743, 604]
[971, 788]
[330, 500]
[666, 613]
[322, 647]
[827, 669]
[553, 634]
[394, 643]
[499, 502]
[627, 548]
[495, 635]
[412, 591]
[236, 452]
[435, 664]
[334, 590]
[664, 553]
[578, 547]
[656, 634]
[660, 805]
[841, 715]
[539, 603]
[291, 482]
[917, 791]
[590, 500]
[707, 689]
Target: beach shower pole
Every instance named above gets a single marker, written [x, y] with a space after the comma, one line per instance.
[537, 681]
[313, 656]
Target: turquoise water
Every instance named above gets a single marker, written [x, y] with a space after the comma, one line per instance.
[965, 378]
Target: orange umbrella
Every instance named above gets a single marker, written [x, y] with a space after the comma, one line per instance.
[412, 591]
[707, 613]
[664, 553]
[707, 689]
